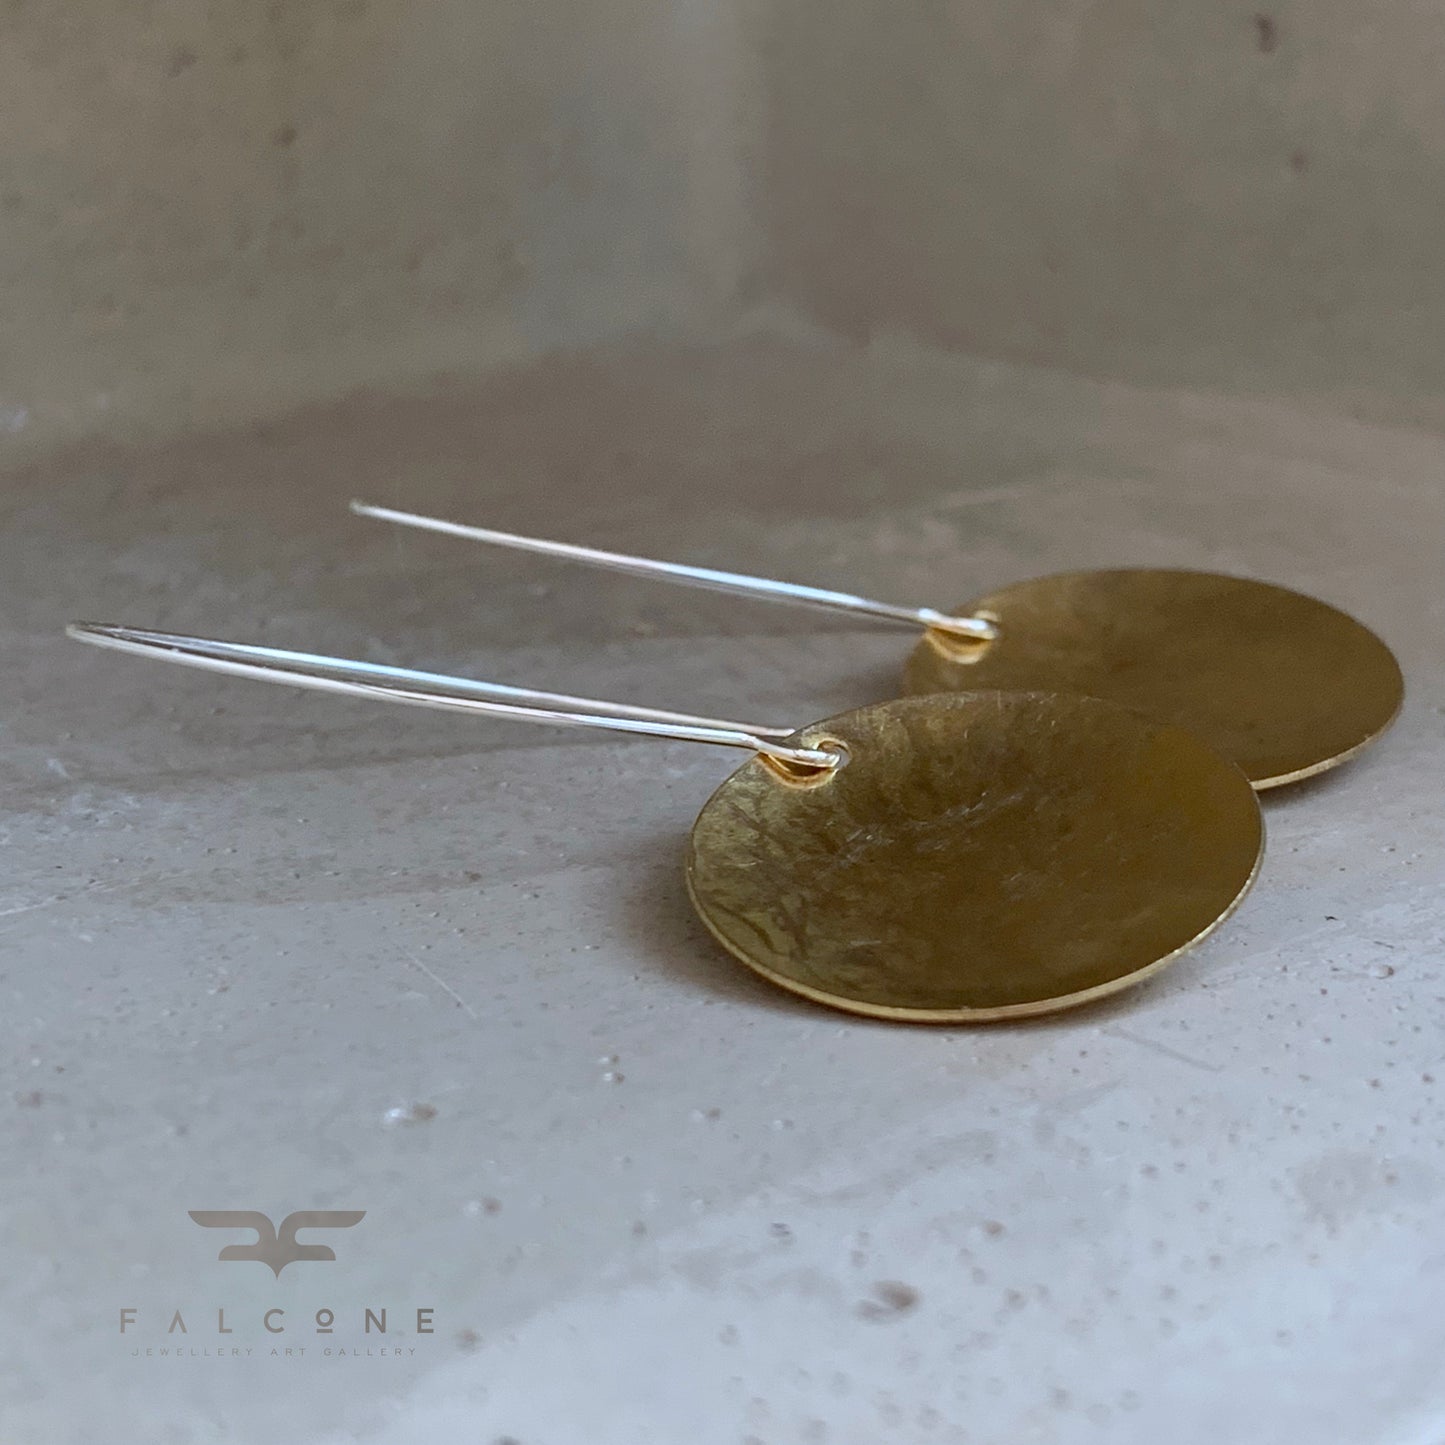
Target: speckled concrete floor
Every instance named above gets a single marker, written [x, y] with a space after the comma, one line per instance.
[277, 952]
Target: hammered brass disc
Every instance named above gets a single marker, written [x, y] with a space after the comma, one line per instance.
[978, 856]
[1282, 684]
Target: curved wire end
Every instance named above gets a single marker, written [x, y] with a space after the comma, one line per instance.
[101, 633]
[974, 629]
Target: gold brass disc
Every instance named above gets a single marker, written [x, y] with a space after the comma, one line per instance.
[1282, 684]
[978, 856]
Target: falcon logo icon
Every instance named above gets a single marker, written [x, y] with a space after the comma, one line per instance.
[277, 1247]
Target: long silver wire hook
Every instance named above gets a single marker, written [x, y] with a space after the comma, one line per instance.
[104, 635]
[448, 694]
[974, 628]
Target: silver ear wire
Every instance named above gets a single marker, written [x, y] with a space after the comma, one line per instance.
[974, 628]
[436, 690]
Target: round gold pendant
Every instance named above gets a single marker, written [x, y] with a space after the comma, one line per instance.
[978, 856]
[1280, 683]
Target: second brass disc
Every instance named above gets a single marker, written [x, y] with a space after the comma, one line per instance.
[1281, 683]
[978, 856]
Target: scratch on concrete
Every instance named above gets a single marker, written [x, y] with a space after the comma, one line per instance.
[1115, 1032]
[100, 886]
[49, 901]
[442, 984]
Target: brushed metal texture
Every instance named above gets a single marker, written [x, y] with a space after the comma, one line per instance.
[1281, 683]
[979, 856]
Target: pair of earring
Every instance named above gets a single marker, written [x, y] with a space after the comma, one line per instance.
[1064, 802]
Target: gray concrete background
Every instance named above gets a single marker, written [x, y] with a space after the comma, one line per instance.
[210, 215]
[1246, 195]
[912, 302]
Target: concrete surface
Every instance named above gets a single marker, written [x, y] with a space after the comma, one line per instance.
[209, 213]
[279, 952]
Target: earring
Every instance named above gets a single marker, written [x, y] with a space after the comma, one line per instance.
[945, 858]
[1282, 684]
